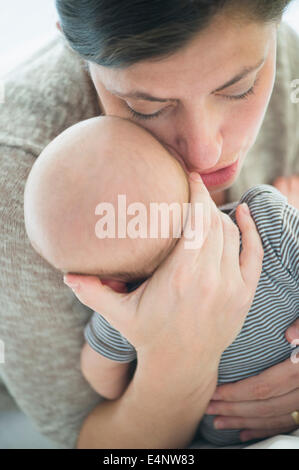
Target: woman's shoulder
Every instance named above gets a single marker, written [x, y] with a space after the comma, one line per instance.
[287, 71]
[44, 95]
[287, 62]
[276, 150]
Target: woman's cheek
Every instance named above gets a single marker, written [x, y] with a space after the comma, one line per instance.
[247, 118]
[246, 123]
[251, 119]
[255, 112]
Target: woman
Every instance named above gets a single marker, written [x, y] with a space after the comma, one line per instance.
[210, 70]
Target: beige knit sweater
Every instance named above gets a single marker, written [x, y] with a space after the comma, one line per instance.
[41, 321]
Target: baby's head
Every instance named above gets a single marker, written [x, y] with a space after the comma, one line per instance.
[91, 163]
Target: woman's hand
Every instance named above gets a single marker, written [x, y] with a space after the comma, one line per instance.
[195, 303]
[261, 405]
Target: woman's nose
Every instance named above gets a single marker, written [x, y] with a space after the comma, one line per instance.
[200, 145]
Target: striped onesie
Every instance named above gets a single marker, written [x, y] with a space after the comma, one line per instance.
[261, 342]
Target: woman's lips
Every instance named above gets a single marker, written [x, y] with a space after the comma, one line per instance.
[221, 176]
[214, 178]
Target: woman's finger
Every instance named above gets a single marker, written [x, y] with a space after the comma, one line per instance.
[201, 240]
[251, 257]
[210, 257]
[267, 384]
[208, 225]
[272, 407]
[249, 435]
[115, 307]
[275, 423]
[231, 247]
[198, 220]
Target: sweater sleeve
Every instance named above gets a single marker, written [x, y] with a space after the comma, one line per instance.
[108, 341]
[41, 321]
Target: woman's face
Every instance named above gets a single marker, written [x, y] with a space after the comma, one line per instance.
[206, 103]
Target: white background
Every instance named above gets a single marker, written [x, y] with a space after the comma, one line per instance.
[25, 25]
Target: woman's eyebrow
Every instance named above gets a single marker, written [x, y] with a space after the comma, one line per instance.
[147, 97]
[242, 74]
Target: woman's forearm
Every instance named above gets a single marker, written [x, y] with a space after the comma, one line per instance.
[157, 410]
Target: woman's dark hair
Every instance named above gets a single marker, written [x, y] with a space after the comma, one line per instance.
[119, 33]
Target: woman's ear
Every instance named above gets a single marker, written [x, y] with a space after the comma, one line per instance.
[58, 26]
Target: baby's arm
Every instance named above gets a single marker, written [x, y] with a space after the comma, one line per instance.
[108, 378]
[106, 358]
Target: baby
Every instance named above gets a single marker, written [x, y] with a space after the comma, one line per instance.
[95, 161]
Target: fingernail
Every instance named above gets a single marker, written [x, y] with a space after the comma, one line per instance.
[218, 424]
[72, 284]
[245, 208]
[195, 176]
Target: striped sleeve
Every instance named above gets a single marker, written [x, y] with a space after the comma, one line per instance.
[108, 341]
[278, 225]
[289, 246]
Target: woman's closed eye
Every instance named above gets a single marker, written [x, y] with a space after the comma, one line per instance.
[242, 96]
[137, 115]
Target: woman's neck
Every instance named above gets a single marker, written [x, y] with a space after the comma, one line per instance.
[219, 198]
